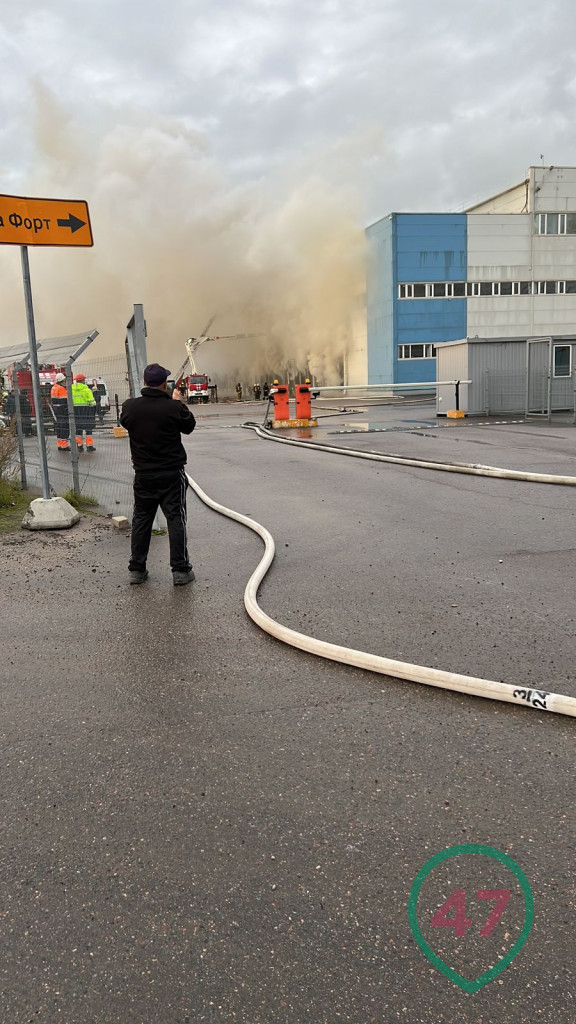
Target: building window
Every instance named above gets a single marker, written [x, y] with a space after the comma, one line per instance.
[459, 289]
[416, 351]
[555, 223]
[562, 360]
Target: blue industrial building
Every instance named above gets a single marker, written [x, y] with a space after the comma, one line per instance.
[504, 268]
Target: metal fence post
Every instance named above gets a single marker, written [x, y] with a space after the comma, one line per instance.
[72, 422]
[19, 431]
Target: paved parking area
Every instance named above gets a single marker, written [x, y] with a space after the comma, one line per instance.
[202, 824]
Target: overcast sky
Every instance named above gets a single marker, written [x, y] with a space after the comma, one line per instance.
[371, 105]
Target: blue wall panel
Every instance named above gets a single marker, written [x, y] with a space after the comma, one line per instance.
[408, 247]
[431, 246]
[380, 292]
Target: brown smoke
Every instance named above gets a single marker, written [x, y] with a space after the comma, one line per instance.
[281, 259]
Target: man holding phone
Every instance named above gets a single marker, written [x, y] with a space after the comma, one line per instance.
[155, 423]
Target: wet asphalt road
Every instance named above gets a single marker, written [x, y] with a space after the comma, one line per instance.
[201, 824]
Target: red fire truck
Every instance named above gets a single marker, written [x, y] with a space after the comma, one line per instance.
[47, 377]
[196, 387]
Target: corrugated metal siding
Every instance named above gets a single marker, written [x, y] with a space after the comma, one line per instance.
[498, 373]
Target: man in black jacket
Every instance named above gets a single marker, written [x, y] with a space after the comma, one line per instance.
[154, 423]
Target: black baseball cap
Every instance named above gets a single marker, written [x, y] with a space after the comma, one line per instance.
[155, 375]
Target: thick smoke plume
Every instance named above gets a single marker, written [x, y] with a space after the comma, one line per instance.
[280, 259]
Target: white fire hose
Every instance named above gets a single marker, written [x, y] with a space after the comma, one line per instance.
[470, 468]
[540, 700]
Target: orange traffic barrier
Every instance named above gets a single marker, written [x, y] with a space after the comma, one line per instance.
[303, 402]
[281, 402]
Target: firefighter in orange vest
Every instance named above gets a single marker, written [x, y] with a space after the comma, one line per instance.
[59, 399]
[84, 412]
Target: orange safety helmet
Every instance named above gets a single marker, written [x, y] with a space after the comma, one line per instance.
[79, 377]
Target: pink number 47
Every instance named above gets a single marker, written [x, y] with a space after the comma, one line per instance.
[459, 922]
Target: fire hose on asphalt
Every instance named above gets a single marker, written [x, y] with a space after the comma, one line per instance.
[540, 700]
[470, 468]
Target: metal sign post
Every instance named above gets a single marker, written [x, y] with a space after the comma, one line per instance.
[62, 222]
[34, 367]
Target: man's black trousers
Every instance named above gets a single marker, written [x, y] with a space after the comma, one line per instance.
[167, 489]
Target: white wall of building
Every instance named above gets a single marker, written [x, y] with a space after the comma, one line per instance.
[552, 189]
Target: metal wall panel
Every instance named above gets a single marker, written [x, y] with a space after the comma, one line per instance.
[499, 247]
[380, 301]
[452, 364]
[554, 189]
[431, 246]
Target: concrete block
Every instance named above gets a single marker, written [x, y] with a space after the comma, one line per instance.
[120, 522]
[50, 514]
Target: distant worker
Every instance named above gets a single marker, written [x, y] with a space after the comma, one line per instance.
[84, 412]
[155, 423]
[26, 413]
[59, 400]
[98, 399]
[10, 405]
[238, 392]
[257, 392]
[266, 391]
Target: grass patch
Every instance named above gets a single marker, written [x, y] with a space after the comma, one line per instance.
[13, 504]
[81, 502]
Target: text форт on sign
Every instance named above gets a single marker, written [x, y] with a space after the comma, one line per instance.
[44, 222]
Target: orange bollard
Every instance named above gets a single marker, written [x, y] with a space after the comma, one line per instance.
[303, 402]
[281, 402]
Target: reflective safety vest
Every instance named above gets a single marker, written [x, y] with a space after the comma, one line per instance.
[58, 392]
[81, 394]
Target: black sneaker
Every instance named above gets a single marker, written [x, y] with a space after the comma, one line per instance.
[180, 579]
[138, 576]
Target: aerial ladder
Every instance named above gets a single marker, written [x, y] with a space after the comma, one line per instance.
[200, 388]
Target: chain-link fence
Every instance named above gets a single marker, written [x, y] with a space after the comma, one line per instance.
[103, 466]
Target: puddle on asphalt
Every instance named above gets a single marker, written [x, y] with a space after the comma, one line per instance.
[415, 426]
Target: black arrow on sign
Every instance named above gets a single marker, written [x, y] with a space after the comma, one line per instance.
[73, 223]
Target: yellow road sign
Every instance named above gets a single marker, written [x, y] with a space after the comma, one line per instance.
[44, 221]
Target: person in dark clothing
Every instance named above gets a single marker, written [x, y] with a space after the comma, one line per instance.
[266, 391]
[10, 405]
[154, 423]
[26, 413]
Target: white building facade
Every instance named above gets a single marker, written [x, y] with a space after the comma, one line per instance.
[505, 268]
